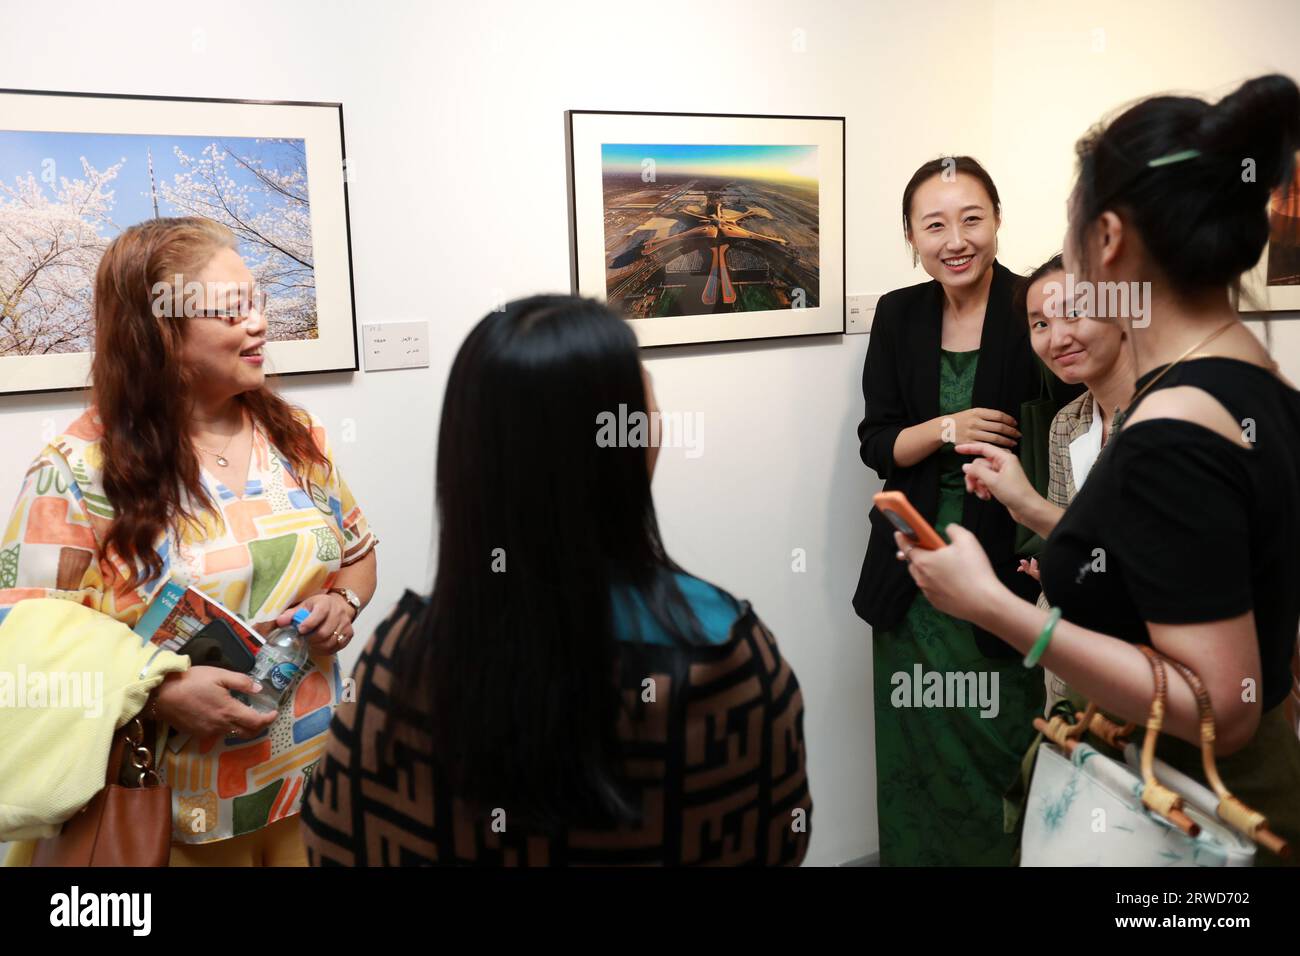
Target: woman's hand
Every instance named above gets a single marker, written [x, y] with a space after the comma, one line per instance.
[958, 580]
[917, 442]
[198, 702]
[329, 628]
[985, 425]
[1030, 568]
[997, 474]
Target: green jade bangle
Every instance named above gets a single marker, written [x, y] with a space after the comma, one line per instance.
[1044, 638]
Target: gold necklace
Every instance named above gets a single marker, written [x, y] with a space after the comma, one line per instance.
[221, 455]
[1118, 421]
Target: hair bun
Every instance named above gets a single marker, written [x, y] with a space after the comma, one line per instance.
[1259, 121]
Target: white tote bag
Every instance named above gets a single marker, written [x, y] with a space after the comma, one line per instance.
[1086, 809]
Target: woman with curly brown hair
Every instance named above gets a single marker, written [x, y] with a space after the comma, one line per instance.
[188, 467]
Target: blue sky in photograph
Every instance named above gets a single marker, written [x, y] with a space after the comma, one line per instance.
[23, 152]
[732, 159]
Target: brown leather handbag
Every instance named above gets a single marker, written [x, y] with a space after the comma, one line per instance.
[122, 825]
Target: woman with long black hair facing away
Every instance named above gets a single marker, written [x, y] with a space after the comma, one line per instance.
[568, 694]
[947, 363]
[1185, 535]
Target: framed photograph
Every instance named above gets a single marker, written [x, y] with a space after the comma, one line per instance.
[709, 227]
[78, 168]
[1274, 284]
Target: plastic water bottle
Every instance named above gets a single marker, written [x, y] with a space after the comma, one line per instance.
[279, 661]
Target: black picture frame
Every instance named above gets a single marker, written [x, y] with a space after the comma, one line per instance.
[583, 285]
[339, 355]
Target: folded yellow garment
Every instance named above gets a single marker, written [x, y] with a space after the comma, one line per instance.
[69, 677]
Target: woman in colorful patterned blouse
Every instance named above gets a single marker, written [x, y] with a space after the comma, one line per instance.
[187, 467]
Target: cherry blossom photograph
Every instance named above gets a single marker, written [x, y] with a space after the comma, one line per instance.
[64, 196]
[76, 170]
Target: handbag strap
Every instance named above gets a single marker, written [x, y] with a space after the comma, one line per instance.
[1067, 735]
[133, 736]
[1155, 795]
[1044, 383]
[1231, 810]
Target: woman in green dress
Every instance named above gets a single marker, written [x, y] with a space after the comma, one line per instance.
[1194, 505]
[947, 363]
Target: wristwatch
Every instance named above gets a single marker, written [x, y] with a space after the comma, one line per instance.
[350, 596]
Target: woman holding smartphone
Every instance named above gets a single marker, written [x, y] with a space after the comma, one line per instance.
[1184, 537]
[1077, 349]
[947, 363]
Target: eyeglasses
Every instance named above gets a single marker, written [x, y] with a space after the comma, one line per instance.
[241, 313]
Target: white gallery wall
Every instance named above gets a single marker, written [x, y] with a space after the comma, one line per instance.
[454, 127]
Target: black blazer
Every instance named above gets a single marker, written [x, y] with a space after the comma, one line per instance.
[900, 383]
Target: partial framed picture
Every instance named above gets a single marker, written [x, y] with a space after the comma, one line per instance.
[708, 228]
[78, 168]
[1274, 284]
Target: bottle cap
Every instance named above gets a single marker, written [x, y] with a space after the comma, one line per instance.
[300, 615]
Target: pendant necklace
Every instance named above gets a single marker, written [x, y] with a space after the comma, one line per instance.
[1118, 421]
[221, 455]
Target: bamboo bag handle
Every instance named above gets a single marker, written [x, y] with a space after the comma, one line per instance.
[1249, 823]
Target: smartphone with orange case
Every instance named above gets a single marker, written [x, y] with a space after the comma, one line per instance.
[895, 506]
